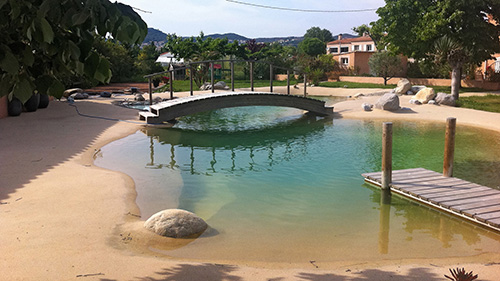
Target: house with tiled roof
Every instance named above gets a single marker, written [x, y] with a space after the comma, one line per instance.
[353, 52]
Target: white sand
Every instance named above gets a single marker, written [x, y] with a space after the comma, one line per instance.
[62, 218]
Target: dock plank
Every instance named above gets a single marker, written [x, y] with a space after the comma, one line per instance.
[477, 203]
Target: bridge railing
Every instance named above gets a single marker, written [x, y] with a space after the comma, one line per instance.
[212, 80]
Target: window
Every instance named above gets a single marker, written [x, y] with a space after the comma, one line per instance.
[369, 47]
[344, 60]
[355, 47]
[334, 50]
[344, 49]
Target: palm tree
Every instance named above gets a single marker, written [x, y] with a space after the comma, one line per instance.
[451, 51]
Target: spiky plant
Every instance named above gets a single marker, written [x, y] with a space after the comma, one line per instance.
[460, 275]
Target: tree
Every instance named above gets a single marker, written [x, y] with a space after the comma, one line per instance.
[374, 33]
[121, 59]
[385, 65]
[146, 60]
[413, 27]
[43, 40]
[312, 47]
[200, 48]
[322, 34]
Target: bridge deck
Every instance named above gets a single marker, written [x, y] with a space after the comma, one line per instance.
[476, 203]
[169, 110]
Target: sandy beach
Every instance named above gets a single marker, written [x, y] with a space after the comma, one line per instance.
[63, 218]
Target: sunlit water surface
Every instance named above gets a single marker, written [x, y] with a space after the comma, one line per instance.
[276, 186]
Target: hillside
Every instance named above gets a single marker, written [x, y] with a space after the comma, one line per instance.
[159, 36]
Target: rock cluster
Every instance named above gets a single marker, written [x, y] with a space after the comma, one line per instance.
[221, 85]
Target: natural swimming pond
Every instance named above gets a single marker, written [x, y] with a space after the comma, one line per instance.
[280, 187]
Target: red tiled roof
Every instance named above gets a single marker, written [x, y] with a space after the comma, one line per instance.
[351, 40]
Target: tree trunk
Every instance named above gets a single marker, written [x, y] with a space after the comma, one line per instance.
[456, 79]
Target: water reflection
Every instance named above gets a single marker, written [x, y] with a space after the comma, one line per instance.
[274, 145]
[385, 219]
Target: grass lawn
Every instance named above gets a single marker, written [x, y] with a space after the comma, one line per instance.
[340, 84]
[489, 103]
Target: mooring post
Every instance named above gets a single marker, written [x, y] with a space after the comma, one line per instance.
[190, 80]
[305, 85]
[386, 155]
[170, 76]
[449, 146]
[288, 82]
[251, 76]
[212, 76]
[150, 91]
[270, 78]
[232, 75]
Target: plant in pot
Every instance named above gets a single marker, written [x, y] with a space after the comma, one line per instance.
[32, 103]
[156, 82]
[14, 107]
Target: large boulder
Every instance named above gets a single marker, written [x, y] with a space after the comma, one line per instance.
[445, 99]
[389, 102]
[176, 223]
[403, 86]
[425, 95]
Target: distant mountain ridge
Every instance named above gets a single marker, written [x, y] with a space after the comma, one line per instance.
[155, 35]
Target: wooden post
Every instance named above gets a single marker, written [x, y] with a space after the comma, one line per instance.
[251, 76]
[386, 155]
[212, 75]
[305, 85]
[232, 76]
[288, 82]
[171, 85]
[190, 80]
[270, 78]
[449, 146]
[150, 92]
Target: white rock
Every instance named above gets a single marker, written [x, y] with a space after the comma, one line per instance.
[425, 95]
[403, 86]
[358, 95]
[176, 223]
[367, 107]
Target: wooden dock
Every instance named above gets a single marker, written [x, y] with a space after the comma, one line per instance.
[474, 202]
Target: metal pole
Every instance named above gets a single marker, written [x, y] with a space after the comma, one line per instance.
[288, 82]
[232, 75]
[449, 146]
[251, 76]
[150, 92]
[212, 75]
[271, 78]
[171, 85]
[387, 155]
[305, 85]
[190, 80]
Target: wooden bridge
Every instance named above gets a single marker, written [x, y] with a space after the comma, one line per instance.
[171, 109]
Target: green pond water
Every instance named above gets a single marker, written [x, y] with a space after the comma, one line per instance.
[276, 186]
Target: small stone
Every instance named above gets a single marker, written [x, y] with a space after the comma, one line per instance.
[176, 223]
[367, 106]
[105, 94]
[69, 92]
[432, 102]
[79, 96]
[412, 101]
[358, 95]
[139, 97]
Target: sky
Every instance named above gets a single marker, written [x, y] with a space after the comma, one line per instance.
[190, 17]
